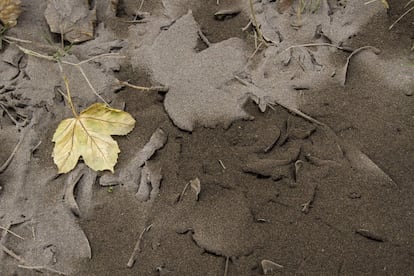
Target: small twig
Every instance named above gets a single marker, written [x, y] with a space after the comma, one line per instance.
[8, 114]
[111, 55]
[247, 26]
[137, 247]
[317, 44]
[139, 21]
[345, 72]
[204, 38]
[226, 267]
[256, 50]
[90, 85]
[401, 17]
[8, 161]
[11, 232]
[40, 268]
[12, 254]
[183, 192]
[222, 164]
[148, 89]
[16, 39]
[308, 204]
[408, 3]
[291, 109]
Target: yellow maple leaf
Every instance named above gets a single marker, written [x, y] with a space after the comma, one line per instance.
[89, 135]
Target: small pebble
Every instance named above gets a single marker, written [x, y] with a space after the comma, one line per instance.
[409, 93]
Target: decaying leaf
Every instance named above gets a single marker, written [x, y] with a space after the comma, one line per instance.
[9, 12]
[89, 136]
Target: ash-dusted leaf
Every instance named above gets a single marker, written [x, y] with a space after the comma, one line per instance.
[89, 136]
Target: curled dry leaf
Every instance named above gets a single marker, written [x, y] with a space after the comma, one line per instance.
[9, 12]
[89, 135]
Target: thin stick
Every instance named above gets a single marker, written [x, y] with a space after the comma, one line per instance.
[148, 89]
[226, 267]
[11, 232]
[183, 192]
[90, 85]
[291, 109]
[247, 26]
[308, 204]
[376, 50]
[316, 44]
[401, 17]
[408, 3]
[255, 51]
[204, 38]
[8, 114]
[16, 39]
[12, 254]
[222, 164]
[111, 55]
[8, 161]
[40, 268]
[137, 247]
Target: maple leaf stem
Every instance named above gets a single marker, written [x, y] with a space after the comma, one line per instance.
[69, 98]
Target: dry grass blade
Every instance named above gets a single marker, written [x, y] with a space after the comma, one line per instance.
[408, 3]
[401, 17]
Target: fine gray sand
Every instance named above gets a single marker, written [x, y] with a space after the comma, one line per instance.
[293, 159]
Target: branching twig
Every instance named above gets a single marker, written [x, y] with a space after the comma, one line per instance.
[77, 65]
[308, 204]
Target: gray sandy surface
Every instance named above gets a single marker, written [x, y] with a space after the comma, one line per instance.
[304, 155]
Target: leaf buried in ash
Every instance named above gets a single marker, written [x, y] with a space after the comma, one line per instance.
[89, 136]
